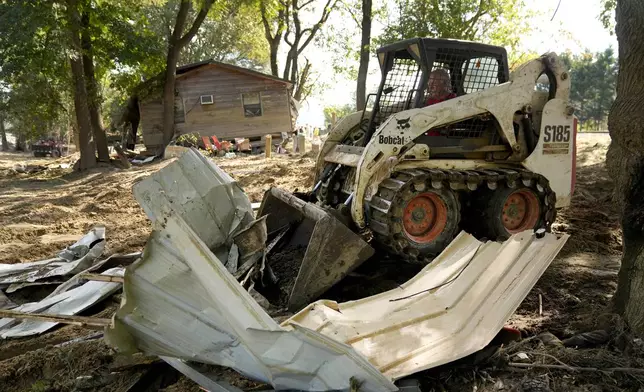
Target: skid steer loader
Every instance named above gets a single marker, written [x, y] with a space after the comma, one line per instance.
[495, 157]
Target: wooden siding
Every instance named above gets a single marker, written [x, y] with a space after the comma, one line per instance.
[225, 117]
[151, 122]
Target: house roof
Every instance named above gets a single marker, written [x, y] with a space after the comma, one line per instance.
[184, 69]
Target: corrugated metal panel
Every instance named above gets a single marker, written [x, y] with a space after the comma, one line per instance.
[181, 302]
[69, 302]
[201, 193]
[75, 258]
[409, 329]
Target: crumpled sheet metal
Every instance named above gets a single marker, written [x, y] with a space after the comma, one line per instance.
[409, 329]
[205, 196]
[180, 301]
[69, 302]
[71, 260]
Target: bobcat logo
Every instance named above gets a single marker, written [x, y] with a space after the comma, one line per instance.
[403, 124]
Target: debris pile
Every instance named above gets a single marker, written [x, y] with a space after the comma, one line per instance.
[213, 268]
[182, 289]
[77, 288]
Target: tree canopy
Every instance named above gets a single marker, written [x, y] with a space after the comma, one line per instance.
[499, 22]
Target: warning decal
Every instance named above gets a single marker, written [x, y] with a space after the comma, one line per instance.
[556, 148]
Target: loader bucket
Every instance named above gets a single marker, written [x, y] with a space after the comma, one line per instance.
[331, 250]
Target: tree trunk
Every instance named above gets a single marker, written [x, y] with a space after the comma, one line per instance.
[93, 99]
[20, 142]
[274, 45]
[625, 159]
[3, 135]
[168, 95]
[176, 42]
[302, 91]
[361, 90]
[87, 155]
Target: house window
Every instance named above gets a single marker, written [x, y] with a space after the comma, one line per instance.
[252, 104]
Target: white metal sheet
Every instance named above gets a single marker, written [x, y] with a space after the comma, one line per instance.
[452, 308]
[67, 303]
[207, 198]
[76, 257]
[181, 302]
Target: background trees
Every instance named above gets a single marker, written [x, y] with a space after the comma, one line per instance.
[62, 61]
[593, 90]
[294, 23]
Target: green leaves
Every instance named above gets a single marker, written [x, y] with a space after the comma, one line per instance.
[593, 78]
[607, 15]
[499, 22]
[339, 110]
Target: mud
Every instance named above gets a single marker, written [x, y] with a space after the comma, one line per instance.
[51, 368]
[285, 264]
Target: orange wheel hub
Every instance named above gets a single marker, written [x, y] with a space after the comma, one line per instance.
[425, 217]
[521, 211]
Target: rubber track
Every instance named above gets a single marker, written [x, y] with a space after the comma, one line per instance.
[381, 205]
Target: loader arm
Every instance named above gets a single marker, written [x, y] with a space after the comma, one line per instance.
[396, 135]
[336, 136]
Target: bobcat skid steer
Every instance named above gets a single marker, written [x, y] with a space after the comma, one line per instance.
[495, 158]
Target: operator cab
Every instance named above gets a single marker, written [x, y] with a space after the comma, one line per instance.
[406, 68]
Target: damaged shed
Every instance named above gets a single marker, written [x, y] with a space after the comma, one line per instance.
[223, 100]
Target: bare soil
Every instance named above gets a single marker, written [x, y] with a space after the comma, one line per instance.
[285, 264]
[42, 212]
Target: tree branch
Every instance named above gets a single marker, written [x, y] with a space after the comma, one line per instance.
[470, 23]
[197, 23]
[304, 5]
[353, 14]
[307, 30]
[267, 27]
[325, 16]
[180, 22]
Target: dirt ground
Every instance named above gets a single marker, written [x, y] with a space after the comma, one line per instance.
[42, 212]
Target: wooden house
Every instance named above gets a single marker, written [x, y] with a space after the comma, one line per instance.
[223, 100]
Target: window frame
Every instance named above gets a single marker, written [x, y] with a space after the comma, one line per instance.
[256, 106]
[212, 99]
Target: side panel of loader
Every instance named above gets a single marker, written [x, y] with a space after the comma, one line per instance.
[554, 155]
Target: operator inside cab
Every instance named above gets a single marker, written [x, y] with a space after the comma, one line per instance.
[439, 89]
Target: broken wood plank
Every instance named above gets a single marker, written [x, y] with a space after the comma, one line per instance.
[102, 278]
[58, 318]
